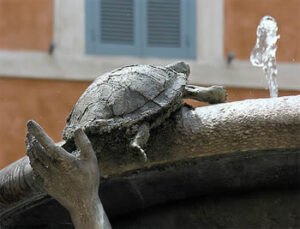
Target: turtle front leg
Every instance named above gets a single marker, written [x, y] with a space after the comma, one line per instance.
[140, 140]
[212, 95]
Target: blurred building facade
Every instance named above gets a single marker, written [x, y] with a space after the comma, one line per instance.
[50, 51]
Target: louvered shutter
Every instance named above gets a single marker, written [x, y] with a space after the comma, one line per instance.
[162, 28]
[168, 29]
[111, 27]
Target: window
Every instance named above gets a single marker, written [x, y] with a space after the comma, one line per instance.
[162, 28]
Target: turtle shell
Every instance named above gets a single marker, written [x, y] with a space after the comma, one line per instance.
[126, 96]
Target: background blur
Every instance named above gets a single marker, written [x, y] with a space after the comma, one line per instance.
[51, 50]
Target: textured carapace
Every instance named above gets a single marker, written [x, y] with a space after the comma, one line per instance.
[128, 96]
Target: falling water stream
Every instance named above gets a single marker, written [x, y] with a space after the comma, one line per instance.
[264, 52]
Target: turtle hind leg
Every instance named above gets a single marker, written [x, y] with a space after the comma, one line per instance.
[140, 140]
[212, 95]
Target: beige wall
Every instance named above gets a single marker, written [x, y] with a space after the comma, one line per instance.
[26, 24]
[242, 18]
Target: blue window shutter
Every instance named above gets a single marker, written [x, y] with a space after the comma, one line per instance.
[191, 28]
[112, 27]
[169, 28]
[162, 28]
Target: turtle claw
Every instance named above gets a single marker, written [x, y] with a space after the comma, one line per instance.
[140, 140]
[140, 151]
[218, 93]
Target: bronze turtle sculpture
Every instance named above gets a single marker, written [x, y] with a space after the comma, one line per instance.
[136, 98]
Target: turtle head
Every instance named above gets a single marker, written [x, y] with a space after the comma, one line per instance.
[180, 67]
